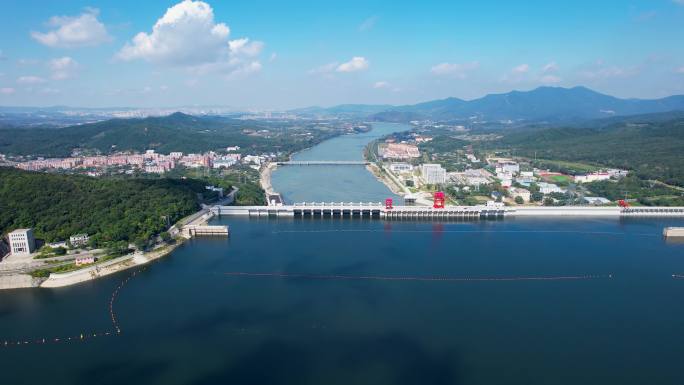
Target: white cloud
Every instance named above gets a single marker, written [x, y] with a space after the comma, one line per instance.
[63, 67]
[600, 70]
[30, 79]
[187, 36]
[357, 63]
[7, 91]
[324, 69]
[459, 70]
[273, 57]
[49, 91]
[368, 24]
[243, 47]
[550, 79]
[27, 62]
[680, 2]
[550, 67]
[245, 70]
[521, 69]
[517, 74]
[2, 56]
[382, 84]
[74, 31]
[646, 16]
[680, 70]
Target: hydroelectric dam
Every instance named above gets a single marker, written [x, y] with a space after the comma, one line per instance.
[380, 211]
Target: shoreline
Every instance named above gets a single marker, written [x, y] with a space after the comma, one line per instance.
[385, 179]
[265, 178]
[89, 273]
[102, 270]
[98, 270]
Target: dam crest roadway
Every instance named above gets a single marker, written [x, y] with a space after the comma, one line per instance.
[380, 211]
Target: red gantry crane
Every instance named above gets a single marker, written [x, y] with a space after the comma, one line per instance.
[438, 200]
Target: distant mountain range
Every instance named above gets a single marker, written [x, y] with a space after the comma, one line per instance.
[175, 132]
[543, 104]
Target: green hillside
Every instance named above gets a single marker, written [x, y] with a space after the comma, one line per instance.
[112, 210]
[654, 150]
[176, 132]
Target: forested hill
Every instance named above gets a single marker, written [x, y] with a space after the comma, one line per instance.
[112, 210]
[176, 132]
[652, 147]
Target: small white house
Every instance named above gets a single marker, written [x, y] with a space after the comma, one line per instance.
[515, 192]
[596, 201]
[79, 240]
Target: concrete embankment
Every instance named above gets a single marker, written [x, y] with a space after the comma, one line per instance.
[106, 268]
[19, 281]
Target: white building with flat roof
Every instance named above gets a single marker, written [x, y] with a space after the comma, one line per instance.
[549, 188]
[79, 240]
[433, 173]
[21, 241]
[400, 167]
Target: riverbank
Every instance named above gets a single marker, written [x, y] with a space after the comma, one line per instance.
[384, 178]
[265, 178]
[107, 268]
[97, 270]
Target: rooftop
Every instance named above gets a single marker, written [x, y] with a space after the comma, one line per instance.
[19, 231]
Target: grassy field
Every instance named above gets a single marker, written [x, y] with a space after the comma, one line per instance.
[565, 165]
[562, 179]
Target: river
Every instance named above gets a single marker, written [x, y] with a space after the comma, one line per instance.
[298, 301]
[335, 183]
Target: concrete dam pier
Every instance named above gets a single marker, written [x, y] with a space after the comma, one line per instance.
[379, 211]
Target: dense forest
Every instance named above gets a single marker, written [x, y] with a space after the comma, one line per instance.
[652, 149]
[110, 210]
[245, 178]
[176, 132]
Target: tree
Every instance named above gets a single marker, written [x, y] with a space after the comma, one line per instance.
[537, 196]
[165, 236]
[519, 200]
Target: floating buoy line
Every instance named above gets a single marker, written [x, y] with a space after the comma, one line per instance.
[83, 336]
[413, 278]
[610, 233]
[116, 328]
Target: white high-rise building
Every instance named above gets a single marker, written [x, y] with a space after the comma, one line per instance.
[22, 241]
[433, 173]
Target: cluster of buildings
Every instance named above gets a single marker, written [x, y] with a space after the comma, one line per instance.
[508, 173]
[149, 162]
[398, 151]
[601, 175]
[23, 242]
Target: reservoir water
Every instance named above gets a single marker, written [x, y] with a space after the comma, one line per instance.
[289, 301]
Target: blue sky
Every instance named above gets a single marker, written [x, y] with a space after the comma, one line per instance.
[283, 54]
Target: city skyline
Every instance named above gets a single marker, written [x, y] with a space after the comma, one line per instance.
[276, 56]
